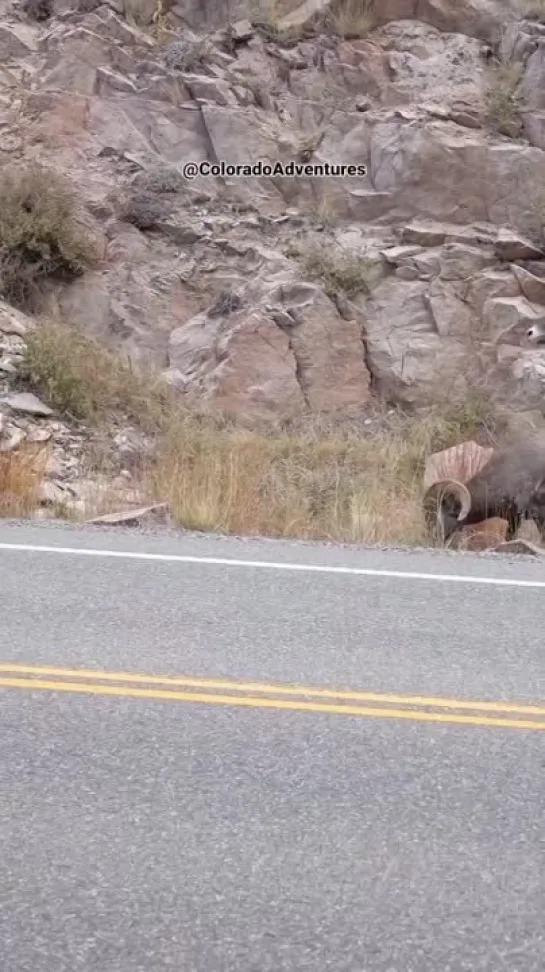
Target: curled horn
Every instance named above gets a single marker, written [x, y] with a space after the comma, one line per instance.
[433, 498]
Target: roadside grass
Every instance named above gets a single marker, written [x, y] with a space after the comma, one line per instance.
[316, 480]
[21, 475]
[321, 483]
[244, 482]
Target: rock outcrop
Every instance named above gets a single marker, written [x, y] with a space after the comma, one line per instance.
[198, 274]
[58, 448]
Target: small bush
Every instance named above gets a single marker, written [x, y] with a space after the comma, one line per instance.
[324, 213]
[186, 55]
[40, 237]
[142, 13]
[85, 380]
[341, 272]
[162, 180]
[227, 302]
[503, 102]
[145, 210]
[38, 10]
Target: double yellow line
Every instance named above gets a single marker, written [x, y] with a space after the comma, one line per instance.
[371, 705]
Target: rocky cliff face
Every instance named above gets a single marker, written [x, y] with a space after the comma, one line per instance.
[275, 295]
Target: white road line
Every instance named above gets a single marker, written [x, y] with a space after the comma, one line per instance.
[272, 565]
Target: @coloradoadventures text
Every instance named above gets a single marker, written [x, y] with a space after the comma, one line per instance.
[240, 170]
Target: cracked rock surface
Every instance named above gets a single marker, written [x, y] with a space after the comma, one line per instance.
[209, 279]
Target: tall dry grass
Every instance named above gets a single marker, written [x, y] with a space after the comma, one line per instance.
[244, 483]
[21, 476]
[357, 486]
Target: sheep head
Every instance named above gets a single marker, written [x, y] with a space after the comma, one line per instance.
[446, 505]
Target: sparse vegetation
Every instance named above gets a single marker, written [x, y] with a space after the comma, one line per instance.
[140, 12]
[266, 14]
[227, 302]
[504, 103]
[145, 210]
[535, 11]
[315, 480]
[84, 380]
[324, 214]
[355, 482]
[161, 21]
[40, 236]
[353, 19]
[186, 55]
[341, 272]
[21, 475]
[163, 180]
[309, 145]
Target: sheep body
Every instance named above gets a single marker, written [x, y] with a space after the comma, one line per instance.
[511, 486]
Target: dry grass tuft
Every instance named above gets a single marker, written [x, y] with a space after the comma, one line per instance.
[81, 378]
[324, 213]
[340, 271]
[354, 19]
[503, 101]
[21, 475]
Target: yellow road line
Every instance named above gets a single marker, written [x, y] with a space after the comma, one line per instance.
[230, 685]
[259, 703]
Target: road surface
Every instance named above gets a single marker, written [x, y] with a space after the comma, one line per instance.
[221, 755]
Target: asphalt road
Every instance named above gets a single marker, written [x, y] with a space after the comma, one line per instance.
[153, 819]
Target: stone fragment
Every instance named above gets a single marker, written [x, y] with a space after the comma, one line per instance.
[135, 517]
[29, 404]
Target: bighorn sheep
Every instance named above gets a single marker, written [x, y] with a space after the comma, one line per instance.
[511, 485]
